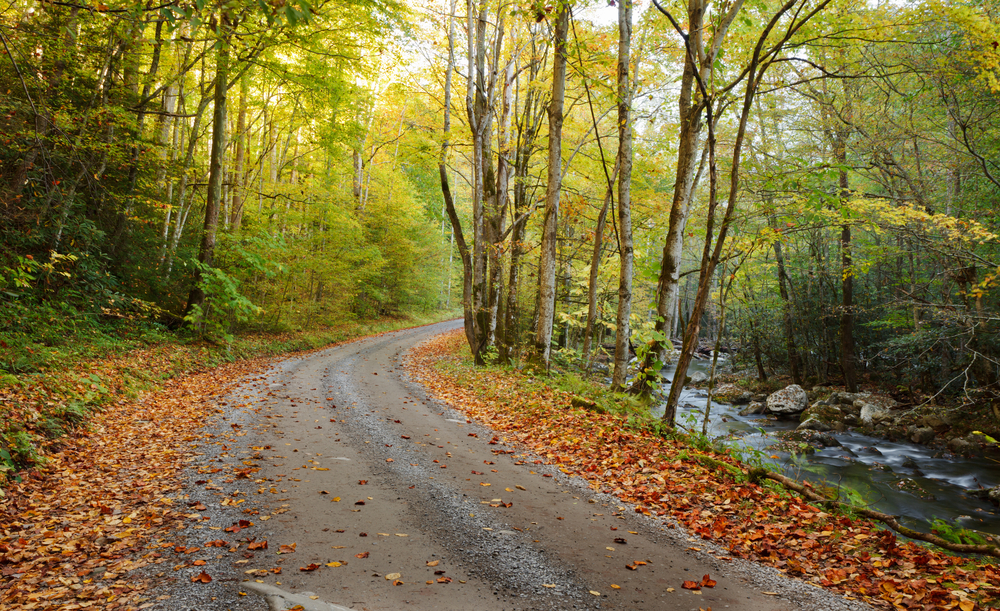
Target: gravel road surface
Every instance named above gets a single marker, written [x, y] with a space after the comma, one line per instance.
[403, 504]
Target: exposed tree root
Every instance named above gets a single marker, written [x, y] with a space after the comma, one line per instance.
[989, 549]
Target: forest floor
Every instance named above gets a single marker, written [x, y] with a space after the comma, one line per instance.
[91, 527]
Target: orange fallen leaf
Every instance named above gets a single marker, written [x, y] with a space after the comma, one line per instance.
[201, 577]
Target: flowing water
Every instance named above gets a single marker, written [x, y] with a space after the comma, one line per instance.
[894, 477]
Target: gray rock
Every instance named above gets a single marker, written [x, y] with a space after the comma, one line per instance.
[753, 409]
[698, 377]
[871, 414]
[733, 394]
[960, 446]
[989, 494]
[923, 436]
[789, 400]
[813, 424]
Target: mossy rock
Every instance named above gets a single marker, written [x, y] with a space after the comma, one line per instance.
[827, 414]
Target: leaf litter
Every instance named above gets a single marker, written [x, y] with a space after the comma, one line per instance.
[104, 504]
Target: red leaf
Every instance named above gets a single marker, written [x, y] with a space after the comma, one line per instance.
[691, 585]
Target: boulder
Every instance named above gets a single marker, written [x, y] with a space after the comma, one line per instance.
[697, 377]
[960, 446]
[812, 424]
[733, 394]
[872, 414]
[989, 494]
[788, 401]
[934, 421]
[823, 412]
[753, 409]
[923, 435]
[844, 398]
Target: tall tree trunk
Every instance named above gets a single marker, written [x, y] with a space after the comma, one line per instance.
[794, 360]
[547, 255]
[239, 171]
[529, 124]
[690, 105]
[500, 204]
[206, 252]
[623, 329]
[595, 264]
[847, 355]
[456, 224]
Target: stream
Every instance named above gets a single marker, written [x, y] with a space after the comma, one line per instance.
[901, 478]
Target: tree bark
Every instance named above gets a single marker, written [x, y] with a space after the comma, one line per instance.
[239, 171]
[625, 255]
[595, 267]
[206, 252]
[547, 255]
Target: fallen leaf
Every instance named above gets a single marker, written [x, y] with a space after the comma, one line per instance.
[691, 585]
[433, 563]
[707, 582]
[286, 549]
[309, 567]
[361, 555]
[392, 576]
[201, 577]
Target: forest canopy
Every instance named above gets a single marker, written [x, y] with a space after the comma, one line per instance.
[813, 182]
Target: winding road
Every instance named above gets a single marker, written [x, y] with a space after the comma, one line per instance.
[403, 504]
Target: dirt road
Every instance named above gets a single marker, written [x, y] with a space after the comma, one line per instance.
[402, 503]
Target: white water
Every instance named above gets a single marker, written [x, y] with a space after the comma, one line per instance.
[894, 477]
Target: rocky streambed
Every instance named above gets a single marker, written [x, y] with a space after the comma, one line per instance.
[921, 463]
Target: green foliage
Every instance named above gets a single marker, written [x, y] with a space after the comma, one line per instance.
[223, 306]
[956, 534]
